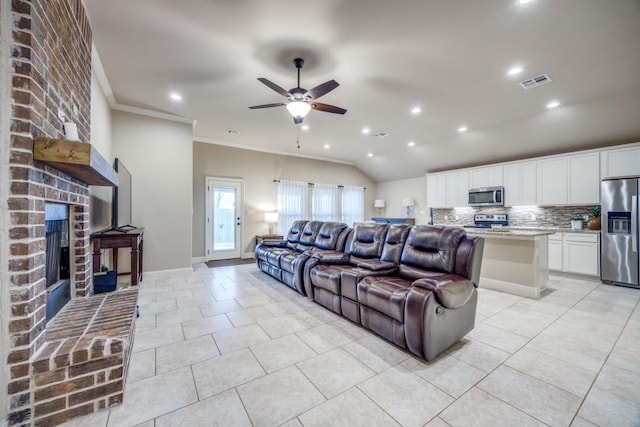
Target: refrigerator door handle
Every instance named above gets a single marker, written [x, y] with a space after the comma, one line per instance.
[634, 223]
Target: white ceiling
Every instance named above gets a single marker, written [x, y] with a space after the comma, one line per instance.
[450, 57]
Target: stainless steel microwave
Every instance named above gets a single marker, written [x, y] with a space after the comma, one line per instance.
[488, 196]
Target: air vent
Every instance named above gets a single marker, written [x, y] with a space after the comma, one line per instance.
[536, 81]
[381, 135]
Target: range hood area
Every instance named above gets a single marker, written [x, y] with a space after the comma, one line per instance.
[78, 159]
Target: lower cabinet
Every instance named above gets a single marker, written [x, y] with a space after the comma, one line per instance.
[555, 252]
[577, 253]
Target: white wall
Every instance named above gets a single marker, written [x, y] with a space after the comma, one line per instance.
[159, 155]
[258, 170]
[100, 197]
[392, 192]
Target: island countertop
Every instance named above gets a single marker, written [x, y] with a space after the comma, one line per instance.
[507, 233]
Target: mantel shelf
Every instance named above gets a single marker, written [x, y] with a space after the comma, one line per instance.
[78, 159]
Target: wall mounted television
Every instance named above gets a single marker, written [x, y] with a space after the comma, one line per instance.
[122, 201]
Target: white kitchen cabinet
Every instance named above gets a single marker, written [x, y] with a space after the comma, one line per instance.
[580, 254]
[457, 189]
[520, 184]
[552, 181]
[555, 252]
[485, 177]
[577, 253]
[583, 179]
[620, 162]
[437, 190]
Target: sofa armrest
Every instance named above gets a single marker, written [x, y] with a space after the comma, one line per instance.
[331, 257]
[451, 290]
[375, 264]
[273, 243]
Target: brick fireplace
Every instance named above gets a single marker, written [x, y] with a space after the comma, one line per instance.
[50, 55]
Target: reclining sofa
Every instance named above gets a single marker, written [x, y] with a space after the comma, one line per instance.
[414, 286]
[284, 260]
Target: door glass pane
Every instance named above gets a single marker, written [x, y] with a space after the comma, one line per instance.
[224, 213]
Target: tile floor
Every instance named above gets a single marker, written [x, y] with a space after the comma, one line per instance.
[230, 346]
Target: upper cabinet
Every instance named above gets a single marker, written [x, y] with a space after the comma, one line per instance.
[520, 184]
[569, 180]
[620, 162]
[552, 181]
[458, 188]
[437, 190]
[485, 177]
[584, 179]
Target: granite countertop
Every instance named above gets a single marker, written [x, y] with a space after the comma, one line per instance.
[508, 232]
[519, 228]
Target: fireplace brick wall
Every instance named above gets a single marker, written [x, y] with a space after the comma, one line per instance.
[50, 71]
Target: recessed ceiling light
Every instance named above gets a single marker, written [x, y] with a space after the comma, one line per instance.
[305, 127]
[366, 131]
[552, 104]
[462, 129]
[524, 1]
[369, 154]
[416, 110]
[514, 70]
[175, 96]
[327, 146]
[411, 144]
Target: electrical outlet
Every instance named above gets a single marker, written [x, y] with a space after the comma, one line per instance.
[585, 217]
[533, 217]
[61, 115]
[457, 217]
[75, 109]
[446, 217]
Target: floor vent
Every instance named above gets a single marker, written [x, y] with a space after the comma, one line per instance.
[536, 81]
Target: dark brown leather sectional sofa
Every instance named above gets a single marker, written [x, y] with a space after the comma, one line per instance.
[414, 286]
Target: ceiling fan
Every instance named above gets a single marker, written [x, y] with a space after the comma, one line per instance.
[301, 101]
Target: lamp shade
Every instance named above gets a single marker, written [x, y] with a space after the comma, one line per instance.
[379, 203]
[298, 108]
[407, 202]
[271, 217]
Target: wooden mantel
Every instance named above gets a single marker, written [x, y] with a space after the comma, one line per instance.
[78, 159]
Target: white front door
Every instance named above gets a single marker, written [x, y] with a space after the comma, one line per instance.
[223, 218]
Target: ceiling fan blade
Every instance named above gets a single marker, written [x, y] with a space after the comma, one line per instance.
[279, 104]
[327, 108]
[322, 89]
[274, 86]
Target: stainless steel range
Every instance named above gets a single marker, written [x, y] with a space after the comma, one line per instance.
[489, 221]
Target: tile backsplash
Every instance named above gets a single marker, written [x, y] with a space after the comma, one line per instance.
[533, 216]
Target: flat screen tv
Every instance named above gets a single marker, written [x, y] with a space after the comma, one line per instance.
[121, 203]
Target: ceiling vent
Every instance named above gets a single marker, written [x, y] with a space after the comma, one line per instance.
[536, 81]
[381, 135]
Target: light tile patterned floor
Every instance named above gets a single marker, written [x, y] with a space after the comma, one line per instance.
[230, 346]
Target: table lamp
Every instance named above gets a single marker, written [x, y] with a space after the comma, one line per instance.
[407, 203]
[271, 218]
[379, 203]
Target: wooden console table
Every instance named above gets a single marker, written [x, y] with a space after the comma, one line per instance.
[118, 239]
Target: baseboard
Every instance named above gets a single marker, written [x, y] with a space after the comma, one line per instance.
[198, 260]
[160, 274]
[248, 255]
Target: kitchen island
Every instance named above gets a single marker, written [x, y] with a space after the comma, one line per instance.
[514, 261]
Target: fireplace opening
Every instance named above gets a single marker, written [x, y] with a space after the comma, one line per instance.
[57, 257]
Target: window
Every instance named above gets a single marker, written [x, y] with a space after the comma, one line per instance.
[320, 202]
[352, 204]
[292, 203]
[324, 202]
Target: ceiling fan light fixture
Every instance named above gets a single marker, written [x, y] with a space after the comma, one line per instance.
[298, 109]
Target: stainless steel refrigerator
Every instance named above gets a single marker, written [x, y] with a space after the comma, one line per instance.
[619, 247]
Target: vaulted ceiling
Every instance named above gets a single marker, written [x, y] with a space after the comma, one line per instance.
[450, 58]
